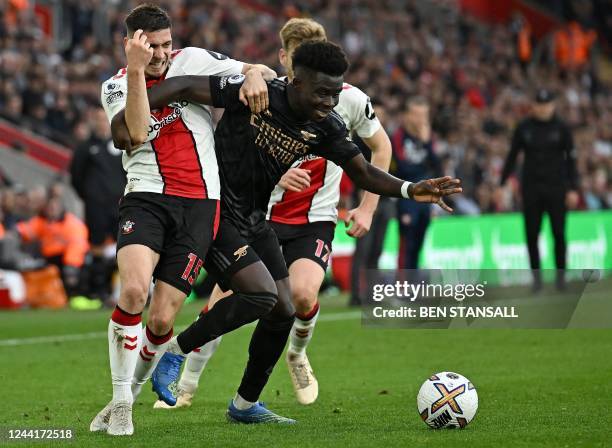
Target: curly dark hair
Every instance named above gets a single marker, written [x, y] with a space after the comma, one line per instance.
[324, 57]
[147, 17]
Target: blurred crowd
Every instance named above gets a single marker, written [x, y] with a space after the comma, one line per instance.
[478, 78]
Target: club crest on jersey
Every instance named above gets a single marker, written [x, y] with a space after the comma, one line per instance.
[127, 227]
[241, 252]
[307, 135]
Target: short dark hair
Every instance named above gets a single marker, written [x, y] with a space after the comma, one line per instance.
[325, 57]
[147, 17]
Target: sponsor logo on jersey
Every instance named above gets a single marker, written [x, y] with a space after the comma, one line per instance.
[241, 252]
[284, 148]
[115, 96]
[177, 111]
[127, 227]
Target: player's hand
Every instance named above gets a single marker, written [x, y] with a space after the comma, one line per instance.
[266, 72]
[361, 221]
[254, 91]
[295, 179]
[571, 199]
[434, 190]
[138, 51]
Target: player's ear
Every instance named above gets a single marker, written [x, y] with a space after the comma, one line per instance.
[282, 57]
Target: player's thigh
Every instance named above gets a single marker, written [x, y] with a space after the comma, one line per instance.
[306, 277]
[187, 243]
[136, 264]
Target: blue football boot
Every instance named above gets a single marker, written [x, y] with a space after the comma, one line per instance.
[257, 413]
[166, 375]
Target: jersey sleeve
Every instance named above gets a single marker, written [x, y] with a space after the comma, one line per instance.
[362, 119]
[113, 96]
[225, 91]
[201, 62]
[338, 146]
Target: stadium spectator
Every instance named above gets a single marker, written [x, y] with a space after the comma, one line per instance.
[62, 238]
[549, 180]
[414, 159]
[98, 178]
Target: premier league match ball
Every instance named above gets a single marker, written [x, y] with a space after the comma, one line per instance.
[447, 400]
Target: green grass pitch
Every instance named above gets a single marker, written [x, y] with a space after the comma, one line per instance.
[536, 387]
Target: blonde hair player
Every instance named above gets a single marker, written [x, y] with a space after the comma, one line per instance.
[303, 212]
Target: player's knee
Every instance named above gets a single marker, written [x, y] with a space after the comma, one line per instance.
[304, 298]
[135, 293]
[160, 323]
[262, 302]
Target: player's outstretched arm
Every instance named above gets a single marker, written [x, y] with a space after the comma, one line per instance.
[375, 180]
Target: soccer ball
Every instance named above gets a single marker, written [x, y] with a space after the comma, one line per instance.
[447, 400]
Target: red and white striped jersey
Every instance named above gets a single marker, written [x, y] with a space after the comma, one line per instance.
[178, 156]
[319, 201]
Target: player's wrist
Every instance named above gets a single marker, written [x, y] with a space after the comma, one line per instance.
[407, 190]
[135, 69]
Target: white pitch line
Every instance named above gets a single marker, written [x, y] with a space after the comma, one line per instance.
[333, 317]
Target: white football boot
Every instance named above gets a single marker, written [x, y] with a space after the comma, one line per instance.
[304, 382]
[120, 422]
[100, 421]
[183, 400]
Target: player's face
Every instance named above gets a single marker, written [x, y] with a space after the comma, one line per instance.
[161, 43]
[318, 93]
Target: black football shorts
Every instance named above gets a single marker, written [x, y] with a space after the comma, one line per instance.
[312, 241]
[180, 230]
[232, 252]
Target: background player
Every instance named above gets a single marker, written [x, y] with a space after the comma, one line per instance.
[254, 150]
[303, 213]
[168, 214]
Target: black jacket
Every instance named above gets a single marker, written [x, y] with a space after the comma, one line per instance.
[96, 171]
[549, 155]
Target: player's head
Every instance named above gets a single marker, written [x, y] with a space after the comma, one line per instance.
[544, 104]
[295, 32]
[156, 25]
[416, 112]
[319, 73]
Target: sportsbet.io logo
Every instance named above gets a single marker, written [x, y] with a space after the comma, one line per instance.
[160, 122]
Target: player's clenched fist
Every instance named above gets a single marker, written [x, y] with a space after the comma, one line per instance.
[138, 51]
[296, 179]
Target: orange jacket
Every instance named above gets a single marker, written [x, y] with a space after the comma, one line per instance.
[67, 237]
[1, 231]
